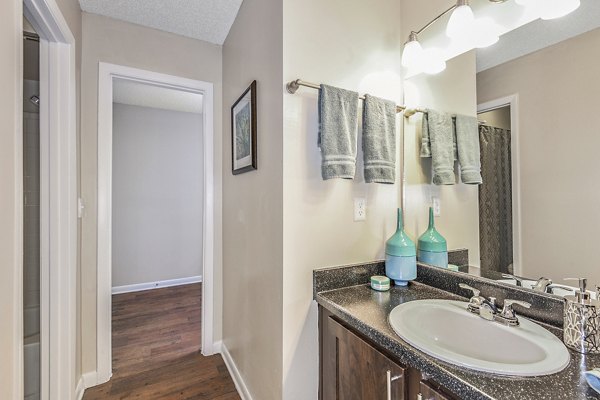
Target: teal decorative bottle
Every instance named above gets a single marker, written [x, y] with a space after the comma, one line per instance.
[433, 249]
[400, 256]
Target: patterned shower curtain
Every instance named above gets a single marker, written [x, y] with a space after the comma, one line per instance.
[495, 200]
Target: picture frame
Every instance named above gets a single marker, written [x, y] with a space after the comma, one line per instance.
[243, 132]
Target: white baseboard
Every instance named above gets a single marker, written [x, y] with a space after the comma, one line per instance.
[90, 379]
[80, 389]
[240, 385]
[155, 285]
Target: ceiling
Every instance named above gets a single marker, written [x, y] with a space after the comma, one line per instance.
[539, 34]
[146, 95]
[208, 20]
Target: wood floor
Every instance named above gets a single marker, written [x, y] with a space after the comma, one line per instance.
[156, 350]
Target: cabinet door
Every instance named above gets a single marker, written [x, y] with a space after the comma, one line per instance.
[429, 392]
[354, 370]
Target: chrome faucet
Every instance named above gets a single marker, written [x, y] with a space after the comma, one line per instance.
[487, 309]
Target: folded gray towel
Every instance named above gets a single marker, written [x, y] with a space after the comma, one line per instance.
[467, 139]
[379, 140]
[441, 139]
[425, 142]
[338, 126]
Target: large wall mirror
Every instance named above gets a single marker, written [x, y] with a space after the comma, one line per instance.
[536, 95]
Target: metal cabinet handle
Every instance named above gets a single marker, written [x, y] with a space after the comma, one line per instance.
[390, 379]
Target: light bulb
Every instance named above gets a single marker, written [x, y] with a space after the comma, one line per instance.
[460, 22]
[412, 53]
[550, 9]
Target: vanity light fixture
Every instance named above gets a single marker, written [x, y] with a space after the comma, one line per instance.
[461, 20]
[412, 52]
[550, 9]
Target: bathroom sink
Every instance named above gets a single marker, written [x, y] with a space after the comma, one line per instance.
[446, 330]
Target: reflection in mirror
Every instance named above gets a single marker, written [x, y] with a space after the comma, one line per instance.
[535, 94]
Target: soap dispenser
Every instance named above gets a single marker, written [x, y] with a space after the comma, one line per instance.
[433, 249]
[400, 255]
[582, 320]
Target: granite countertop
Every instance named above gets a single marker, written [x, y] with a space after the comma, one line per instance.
[367, 311]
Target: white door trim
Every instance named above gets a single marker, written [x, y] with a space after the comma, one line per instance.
[106, 74]
[58, 199]
[513, 102]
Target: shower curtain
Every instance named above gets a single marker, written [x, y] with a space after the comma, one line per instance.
[495, 200]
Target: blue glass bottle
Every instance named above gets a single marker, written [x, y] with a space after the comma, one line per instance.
[433, 249]
[400, 256]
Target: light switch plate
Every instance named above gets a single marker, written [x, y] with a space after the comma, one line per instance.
[360, 209]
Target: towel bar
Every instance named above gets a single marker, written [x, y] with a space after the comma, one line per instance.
[294, 85]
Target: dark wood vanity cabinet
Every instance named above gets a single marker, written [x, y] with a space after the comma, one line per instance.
[352, 369]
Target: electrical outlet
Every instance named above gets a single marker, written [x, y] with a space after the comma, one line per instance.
[360, 209]
[437, 208]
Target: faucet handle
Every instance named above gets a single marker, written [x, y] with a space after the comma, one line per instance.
[509, 314]
[550, 288]
[476, 292]
[519, 281]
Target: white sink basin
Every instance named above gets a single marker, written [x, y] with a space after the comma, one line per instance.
[446, 330]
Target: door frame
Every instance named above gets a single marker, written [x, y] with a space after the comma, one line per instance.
[106, 74]
[58, 200]
[512, 101]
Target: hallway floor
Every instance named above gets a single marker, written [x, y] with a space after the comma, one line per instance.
[156, 349]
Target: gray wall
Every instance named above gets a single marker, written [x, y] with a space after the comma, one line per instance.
[157, 195]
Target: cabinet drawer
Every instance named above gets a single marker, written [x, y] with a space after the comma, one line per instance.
[355, 370]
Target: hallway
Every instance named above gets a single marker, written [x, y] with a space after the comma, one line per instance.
[156, 349]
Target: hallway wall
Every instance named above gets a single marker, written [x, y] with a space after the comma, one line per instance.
[253, 203]
[158, 195]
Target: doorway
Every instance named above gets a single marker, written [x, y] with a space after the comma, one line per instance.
[499, 206]
[111, 201]
[57, 194]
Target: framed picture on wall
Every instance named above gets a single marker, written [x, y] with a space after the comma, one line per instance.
[243, 132]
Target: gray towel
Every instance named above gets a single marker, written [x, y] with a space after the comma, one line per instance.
[425, 142]
[379, 140]
[338, 126]
[441, 140]
[467, 139]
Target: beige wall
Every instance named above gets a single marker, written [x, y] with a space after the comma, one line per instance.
[11, 209]
[253, 203]
[355, 45]
[122, 43]
[558, 142]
